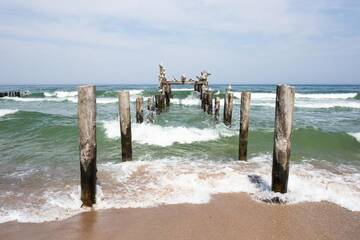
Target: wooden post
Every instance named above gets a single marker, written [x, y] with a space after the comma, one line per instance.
[285, 97]
[87, 143]
[139, 110]
[209, 102]
[228, 107]
[205, 101]
[167, 94]
[244, 124]
[157, 103]
[150, 106]
[125, 126]
[217, 109]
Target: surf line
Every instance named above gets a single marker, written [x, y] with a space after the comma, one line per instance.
[284, 108]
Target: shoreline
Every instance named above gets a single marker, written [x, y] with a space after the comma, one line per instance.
[226, 216]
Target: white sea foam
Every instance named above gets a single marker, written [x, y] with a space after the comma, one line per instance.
[272, 96]
[165, 136]
[4, 112]
[61, 94]
[356, 135]
[140, 184]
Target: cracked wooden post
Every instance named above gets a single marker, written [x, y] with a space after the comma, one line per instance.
[125, 125]
[282, 137]
[210, 102]
[244, 124]
[87, 142]
[217, 109]
[228, 108]
[139, 110]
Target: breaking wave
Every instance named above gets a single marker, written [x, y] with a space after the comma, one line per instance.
[165, 136]
[140, 184]
[4, 112]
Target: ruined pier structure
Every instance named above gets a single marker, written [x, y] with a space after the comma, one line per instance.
[284, 107]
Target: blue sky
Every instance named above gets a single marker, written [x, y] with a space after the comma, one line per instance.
[123, 41]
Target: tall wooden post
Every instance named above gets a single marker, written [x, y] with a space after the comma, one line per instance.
[285, 97]
[217, 109]
[228, 108]
[139, 110]
[204, 100]
[210, 102]
[125, 126]
[244, 124]
[87, 141]
[157, 103]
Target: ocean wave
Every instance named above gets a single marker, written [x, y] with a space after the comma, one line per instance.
[61, 94]
[165, 136]
[141, 184]
[272, 96]
[356, 135]
[4, 112]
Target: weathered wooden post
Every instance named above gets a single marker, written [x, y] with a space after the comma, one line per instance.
[217, 109]
[205, 100]
[228, 108]
[150, 108]
[210, 102]
[244, 124]
[125, 126]
[157, 103]
[285, 97]
[139, 110]
[87, 142]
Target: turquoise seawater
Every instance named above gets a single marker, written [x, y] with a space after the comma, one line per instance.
[183, 156]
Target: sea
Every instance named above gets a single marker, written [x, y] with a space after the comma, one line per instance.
[183, 156]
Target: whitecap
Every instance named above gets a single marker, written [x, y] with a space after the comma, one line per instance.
[4, 112]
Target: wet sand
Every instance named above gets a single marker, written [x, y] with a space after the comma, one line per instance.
[227, 216]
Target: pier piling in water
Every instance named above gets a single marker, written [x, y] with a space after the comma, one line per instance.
[139, 110]
[284, 109]
[204, 101]
[125, 125]
[217, 109]
[210, 102]
[87, 142]
[244, 124]
[228, 108]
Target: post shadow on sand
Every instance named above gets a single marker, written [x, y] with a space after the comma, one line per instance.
[263, 186]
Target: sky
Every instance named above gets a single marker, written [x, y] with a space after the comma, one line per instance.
[123, 41]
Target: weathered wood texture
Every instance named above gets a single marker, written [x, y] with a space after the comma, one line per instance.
[210, 102]
[87, 143]
[244, 124]
[217, 109]
[228, 108]
[125, 125]
[285, 97]
[139, 110]
[204, 101]
[150, 104]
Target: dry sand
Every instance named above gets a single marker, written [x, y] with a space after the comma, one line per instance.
[227, 216]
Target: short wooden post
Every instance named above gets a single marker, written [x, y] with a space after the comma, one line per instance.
[217, 109]
[244, 124]
[210, 102]
[87, 142]
[125, 126]
[150, 105]
[139, 110]
[228, 108]
[285, 97]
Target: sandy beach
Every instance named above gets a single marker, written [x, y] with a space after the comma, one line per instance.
[227, 216]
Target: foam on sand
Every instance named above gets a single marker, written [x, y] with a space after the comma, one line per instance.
[165, 136]
[4, 112]
[149, 183]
